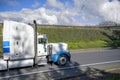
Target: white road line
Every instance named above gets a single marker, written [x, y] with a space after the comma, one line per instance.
[12, 76]
[100, 63]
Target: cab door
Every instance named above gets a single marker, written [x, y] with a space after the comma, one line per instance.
[42, 46]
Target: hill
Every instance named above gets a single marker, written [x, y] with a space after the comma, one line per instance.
[76, 38]
[79, 38]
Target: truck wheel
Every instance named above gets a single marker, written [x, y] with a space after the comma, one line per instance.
[62, 60]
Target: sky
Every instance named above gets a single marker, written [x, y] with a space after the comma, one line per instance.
[60, 12]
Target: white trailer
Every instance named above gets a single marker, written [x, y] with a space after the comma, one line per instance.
[21, 48]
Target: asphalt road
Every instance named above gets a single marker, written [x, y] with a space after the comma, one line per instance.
[95, 56]
[79, 58]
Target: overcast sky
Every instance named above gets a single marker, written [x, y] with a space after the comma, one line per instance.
[61, 12]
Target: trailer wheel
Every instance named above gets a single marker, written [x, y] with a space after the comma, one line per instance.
[62, 60]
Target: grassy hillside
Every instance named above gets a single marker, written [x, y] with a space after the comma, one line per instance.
[71, 34]
[79, 38]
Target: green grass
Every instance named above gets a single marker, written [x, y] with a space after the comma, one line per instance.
[77, 38]
[72, 34]
[86, 44]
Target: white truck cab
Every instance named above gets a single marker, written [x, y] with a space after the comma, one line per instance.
[19, 48]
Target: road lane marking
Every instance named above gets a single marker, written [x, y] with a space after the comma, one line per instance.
[92, 64]
[25, 74]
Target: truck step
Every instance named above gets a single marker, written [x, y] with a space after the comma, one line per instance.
[42, 60]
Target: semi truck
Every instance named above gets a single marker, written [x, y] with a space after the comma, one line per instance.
[23, 46]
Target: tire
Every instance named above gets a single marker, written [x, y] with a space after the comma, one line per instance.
[62, 60]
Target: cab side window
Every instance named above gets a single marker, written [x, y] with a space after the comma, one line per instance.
[42, 41]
